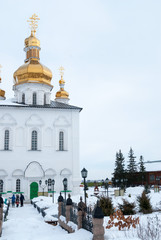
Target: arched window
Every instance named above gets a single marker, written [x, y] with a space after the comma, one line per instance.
[1, 185]
[23, 98]
[6, 140]
[49, 184]
[34, 140]
[18, 183]
[61, 141]
[44, 99]
[34, 101]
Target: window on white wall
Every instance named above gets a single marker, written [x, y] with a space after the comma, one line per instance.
[49, 184]
[34, 101]
[34, 140]
[23, 98]
[18, 183]
[1, 185]
[6, 140]
[61, 141]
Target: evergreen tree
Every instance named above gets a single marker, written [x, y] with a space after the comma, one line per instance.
[141, 165]
[142, 169]
[131, 167]
[119, 168]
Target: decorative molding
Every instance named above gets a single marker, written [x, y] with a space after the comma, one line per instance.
[34, 120]
[7, 120]
[3, 173]
[50, 172]
[61, 122]
[34, 170]
[65, 172]
[18, 173]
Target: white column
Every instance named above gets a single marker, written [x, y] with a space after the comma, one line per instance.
[48, 95]
[40, 97]
[28, 97]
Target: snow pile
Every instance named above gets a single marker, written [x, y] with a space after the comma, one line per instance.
[72, 225]
[63, 219]
[50, 218]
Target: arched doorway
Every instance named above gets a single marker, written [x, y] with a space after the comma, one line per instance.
[33, 190]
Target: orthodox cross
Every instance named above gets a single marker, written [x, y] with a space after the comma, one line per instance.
[61, 69]
[33, 23]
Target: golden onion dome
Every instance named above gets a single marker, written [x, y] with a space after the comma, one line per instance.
[2, 93]
[32, 41]
[32, 71]
[62, 94]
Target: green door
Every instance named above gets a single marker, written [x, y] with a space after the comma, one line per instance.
[33, 190]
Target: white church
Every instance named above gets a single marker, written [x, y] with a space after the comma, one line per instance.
[39, 138]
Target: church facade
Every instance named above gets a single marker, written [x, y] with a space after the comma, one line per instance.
[39, 138]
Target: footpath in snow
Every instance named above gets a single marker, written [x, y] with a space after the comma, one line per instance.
[27, 224]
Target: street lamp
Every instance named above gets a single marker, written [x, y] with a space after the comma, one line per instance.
[65, 182]
[106, 185]
[53, 183]
[84, 173]
[43, 186]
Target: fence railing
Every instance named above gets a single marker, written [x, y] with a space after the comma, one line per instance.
[74, 213]
[6, 212]
[87, 220]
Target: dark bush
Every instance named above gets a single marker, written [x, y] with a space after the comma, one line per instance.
[144, 203]
[127, 208]
[106, 205]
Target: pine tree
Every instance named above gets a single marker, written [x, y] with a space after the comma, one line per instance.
[141, 165]
[142, 169]
[131, 167]
[119, 168]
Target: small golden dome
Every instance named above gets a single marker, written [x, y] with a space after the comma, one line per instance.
[32, 71]
[62, 94]
[2, 93]
[32, 41]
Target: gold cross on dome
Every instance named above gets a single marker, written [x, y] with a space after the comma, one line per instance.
[61, 69]
[33, 23]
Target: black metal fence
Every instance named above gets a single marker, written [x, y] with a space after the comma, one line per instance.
[6, 212]
[63, 210]
[74, 213]
[87, 220]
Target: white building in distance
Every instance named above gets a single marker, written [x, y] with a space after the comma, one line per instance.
[39, 138]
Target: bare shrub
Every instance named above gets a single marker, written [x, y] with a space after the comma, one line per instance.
[151, 230]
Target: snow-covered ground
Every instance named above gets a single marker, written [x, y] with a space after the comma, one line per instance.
[26, 223]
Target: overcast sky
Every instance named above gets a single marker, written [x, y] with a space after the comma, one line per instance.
[111, 52]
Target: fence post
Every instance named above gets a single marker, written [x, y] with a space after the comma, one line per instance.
[68, 207]
[60, 209]
[98, 228]
[80, 218]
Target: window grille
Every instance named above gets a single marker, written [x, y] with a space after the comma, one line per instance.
[18, 182]
[1, 185]
[49, 184]
[61, 141]
[152, 178]
[34, 99]
[44, 99]
[6, 140]
[34, 140]
[23, 98]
